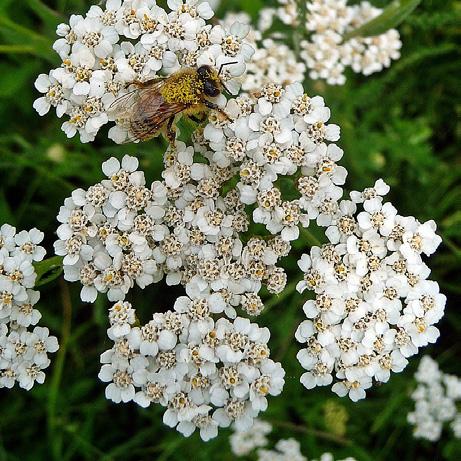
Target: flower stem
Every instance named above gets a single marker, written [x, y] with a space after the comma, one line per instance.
[307, 430]
[276, 299]
[300, 31]
[310, 238]
[54, 433]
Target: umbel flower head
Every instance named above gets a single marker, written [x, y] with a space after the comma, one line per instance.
[111, 47]
[374, 307]
[243, 443]
[436, 400]
[276, 133]
[326, 52]
[119, 233]
[207, 373]
[23, 350]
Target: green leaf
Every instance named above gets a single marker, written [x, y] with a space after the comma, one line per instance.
[47, 14]
[6, 214]
[17, 34]
[8, 49]
[391, 17]
[13, 79]
[48, 270]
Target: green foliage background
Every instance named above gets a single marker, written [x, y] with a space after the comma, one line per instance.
[402, 124]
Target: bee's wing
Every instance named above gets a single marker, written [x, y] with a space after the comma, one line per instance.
[124, 106]
[151, 116]
[143, 112]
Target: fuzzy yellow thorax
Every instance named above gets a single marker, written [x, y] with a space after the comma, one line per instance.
[184, 89]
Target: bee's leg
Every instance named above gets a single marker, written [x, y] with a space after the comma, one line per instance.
[198, 118]
[171, 131]
[213, 106]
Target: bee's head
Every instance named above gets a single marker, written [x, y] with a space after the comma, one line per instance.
[211, 82]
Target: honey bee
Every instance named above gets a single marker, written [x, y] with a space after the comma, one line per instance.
[152, 107]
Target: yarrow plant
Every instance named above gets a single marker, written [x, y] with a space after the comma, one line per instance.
[273, 60]
[328, 52]
[24, 346]
[104, 52]
[207, 373]
[243, 443]
[119, 233]
[436, 400]
[111, 47]
[266, 156]
[373, 306]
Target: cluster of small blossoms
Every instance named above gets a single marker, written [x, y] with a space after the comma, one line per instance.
[287, 11]
[207, 373]
[279, 132]
[106, 231]
[373, 306]
[244, 442]
[327, 55]
[207, 227]
[23, 351]
[119, 233]
[273, 60]
[290, 450]
[436, 398]
[125, 41]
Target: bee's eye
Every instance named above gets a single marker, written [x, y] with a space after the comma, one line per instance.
[203, 71]
[210, 89]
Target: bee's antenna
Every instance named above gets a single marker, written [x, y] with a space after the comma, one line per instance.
[226, 89]
[226, 64]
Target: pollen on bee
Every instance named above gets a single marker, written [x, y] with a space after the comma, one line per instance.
[186, 89]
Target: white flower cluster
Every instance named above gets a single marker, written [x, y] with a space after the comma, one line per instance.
[119, 233]
[327, 55]
[106, 51]
[284, 450]
[287, 11]
[244, 442]
[436, 398]
[23, 352]
[273, 60]
[104, 231]
[207, 373]
[373, 306]
[280, 132]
